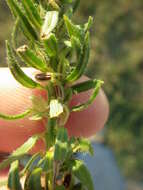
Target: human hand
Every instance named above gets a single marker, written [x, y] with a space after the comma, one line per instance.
[14, 99]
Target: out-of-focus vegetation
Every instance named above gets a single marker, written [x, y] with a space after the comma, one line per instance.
[117, 58]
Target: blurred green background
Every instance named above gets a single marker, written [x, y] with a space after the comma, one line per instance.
[116, 58]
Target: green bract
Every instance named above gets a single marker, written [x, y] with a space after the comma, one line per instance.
[59, 50]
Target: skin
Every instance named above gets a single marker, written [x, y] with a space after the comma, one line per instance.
[14, 99]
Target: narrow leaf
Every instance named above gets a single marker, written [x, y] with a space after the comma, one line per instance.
[50, 134]
[81, 173]
[31, 59]
[76, 44]
[29, 32]
[84, 86]
[15, 33]
[82, 63]
[26, 147]
[51, 46]
[73, 30]
[14, 117]
[46, 163]
[88, 24]
[34, 180]
[91, 99]
[13, 178]
[29, 166]
[32, 13]
[22, 150]
[15, 69]
[51, 20]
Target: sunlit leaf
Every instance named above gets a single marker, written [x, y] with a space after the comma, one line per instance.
[31, 59]
[25, 25]
[17, 72]
[51, 20]
[32, 13]
[82, 62]
[51, 46]
[73, 30]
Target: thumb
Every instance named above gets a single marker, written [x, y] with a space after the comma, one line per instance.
[14, 99]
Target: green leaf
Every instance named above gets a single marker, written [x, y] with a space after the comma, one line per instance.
[46, 163]
[51, 20]
[50, 134]
[61, 146]
[28, 30]
[15, 33]
[85, 105]
[82, 62]
[15, 69]
[88, 24]
[13, 178]
[21, 151]
[32, 13]
[84, 86]
[31, 59]
[60, 187]
[73, 30]
[85, 146]
[34, 180]
[14, 117]
[82, 174]
[51, 45]
[26, 146]
[30, 164]
[76, 44]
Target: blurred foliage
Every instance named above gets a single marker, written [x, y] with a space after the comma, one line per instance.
[117, 58]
